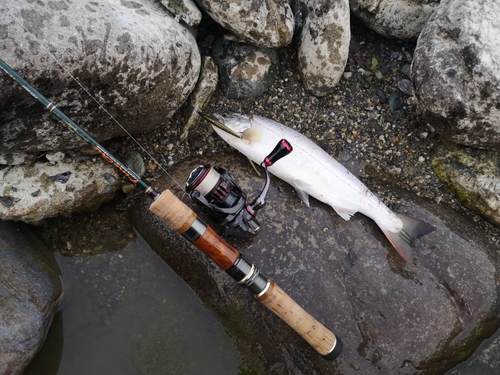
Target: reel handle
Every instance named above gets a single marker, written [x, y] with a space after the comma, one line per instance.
[283, 148]
[183, 220]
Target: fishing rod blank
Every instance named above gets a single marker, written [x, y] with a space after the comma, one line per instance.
[185, 222]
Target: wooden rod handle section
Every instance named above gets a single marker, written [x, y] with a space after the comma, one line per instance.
[315, 333]
[183, 220]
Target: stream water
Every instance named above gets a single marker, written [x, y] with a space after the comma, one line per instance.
[126, 312]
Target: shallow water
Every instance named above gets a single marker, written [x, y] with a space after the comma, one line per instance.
[126, 312]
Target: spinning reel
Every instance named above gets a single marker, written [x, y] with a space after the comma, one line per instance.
[219, 196]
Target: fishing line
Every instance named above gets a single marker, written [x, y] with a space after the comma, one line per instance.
[63, 67]
[179, 217]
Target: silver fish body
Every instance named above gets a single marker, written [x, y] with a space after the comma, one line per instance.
[311, 171]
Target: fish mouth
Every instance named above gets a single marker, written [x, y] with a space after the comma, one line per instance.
[218, 121]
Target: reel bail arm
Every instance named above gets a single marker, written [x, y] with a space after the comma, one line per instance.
[283, 148]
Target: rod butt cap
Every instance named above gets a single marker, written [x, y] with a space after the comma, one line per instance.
[336, 350]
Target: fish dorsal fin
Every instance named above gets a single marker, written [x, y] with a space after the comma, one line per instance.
[300, 186]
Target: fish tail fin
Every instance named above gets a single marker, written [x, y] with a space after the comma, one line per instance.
[403, 240]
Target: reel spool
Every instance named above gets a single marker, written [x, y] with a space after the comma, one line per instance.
[218, 195]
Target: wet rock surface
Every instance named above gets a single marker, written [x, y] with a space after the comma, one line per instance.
[134, 58]
[30, 290]
[350, 278]
[472, 175]
[456, 74]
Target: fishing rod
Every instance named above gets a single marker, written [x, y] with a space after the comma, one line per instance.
[184, 221]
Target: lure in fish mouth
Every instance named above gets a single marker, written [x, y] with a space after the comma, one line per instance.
[311, 171]
[219, 122]
[234, 125]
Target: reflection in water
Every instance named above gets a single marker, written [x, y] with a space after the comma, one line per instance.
[126, 312]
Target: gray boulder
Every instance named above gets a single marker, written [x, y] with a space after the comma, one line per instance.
[456, 72]
[133, 57]
[185, 10]
[30, 291]
[393, 317]
[40, 190]
[202, 94]
[401, 19]
[244, 69]
[472, 176]
[324, 44]
[265, 23]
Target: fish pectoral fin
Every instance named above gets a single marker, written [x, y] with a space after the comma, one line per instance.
[304, 197]
[343, 213]
[403, 240]
[251, 135]
[300, 186]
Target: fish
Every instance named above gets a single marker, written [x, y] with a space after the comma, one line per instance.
[313, 172]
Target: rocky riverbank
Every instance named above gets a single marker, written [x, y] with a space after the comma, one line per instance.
[370, 122]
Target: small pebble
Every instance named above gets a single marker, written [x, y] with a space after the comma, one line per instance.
[54, 157]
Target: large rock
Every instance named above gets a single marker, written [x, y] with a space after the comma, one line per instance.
[40, 190]
[472, 175]
[324, 44]
[264, 23]
[393, 317]
[185, 10]
[133, 57]
[456, 72]
[30, 291]
[244, 69]
[202, 94]
[401, 19]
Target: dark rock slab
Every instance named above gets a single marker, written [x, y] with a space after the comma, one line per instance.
[30, 290]
[393, 317]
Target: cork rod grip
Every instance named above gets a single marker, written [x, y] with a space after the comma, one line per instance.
[172, 211]
[316, 334]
